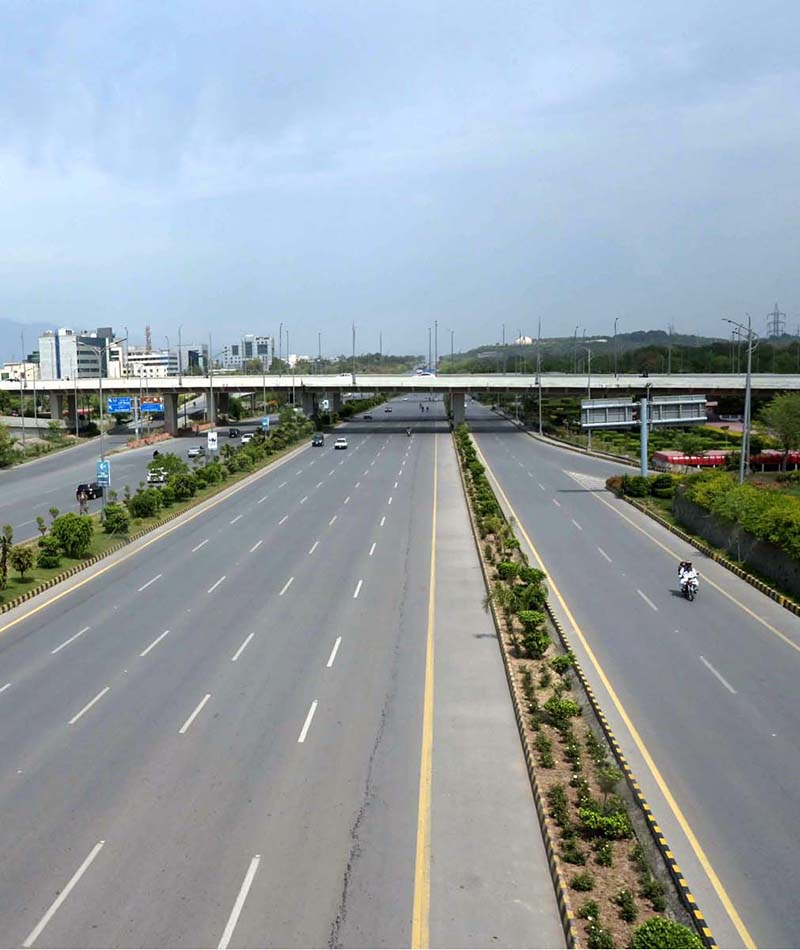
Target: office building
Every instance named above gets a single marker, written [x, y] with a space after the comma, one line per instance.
[250, 347]
[65, 354]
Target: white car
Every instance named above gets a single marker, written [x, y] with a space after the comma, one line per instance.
[196, 451]
[340, 443]
[247, 437]
[157, 476]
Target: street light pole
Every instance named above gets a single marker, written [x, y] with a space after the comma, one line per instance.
[452, 358]
[615, 346]
[435, 346]
[575, 350]
[752, 337]
[539, 370]
[589, 391]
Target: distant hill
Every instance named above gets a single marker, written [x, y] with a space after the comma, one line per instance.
[10, 342]
[562, 345]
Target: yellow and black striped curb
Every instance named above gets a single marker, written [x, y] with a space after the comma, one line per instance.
[756, 582]
[112, 549]
[549, 836]
[660, 841]
[655, 830]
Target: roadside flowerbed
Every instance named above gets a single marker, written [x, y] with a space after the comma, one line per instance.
[616, 887]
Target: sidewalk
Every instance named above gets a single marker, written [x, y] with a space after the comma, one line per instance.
[490, 880]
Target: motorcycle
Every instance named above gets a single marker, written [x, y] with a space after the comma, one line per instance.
[689, 588]
[408, 431]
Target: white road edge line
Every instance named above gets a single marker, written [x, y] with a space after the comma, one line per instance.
[216, 584]
[256, 546]
[157, 640]
[286, 587]
[67, 642]
[358, 588]
[646, 599]
[334, 651]
[307, 723]
[34, 934]
[198, 546]
[151, 581]
[313, 547]
[191, 718]
[719, 676]
[88, 706]
[240, 899]
[239, 652]
[372, 549]
[604, 554]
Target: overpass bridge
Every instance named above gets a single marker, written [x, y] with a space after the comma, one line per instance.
[309, 389]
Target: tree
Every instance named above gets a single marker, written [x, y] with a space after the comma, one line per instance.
[782, 416]
[116, 519]
[74, 534]
[171, 464]
[21, 558]
[6, 540]
[8, 452]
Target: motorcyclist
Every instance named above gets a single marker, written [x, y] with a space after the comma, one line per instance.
[686, 573]
[408, 430]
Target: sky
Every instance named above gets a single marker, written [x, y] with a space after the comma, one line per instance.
[231, 166]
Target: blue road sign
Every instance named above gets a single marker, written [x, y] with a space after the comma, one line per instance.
[265, 423]
[119, 404]
[104, 473]
[152, 407]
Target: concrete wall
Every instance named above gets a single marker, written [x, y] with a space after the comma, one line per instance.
[761, 557]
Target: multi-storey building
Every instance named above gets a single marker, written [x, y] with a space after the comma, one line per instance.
[65, 354]
[250, 347]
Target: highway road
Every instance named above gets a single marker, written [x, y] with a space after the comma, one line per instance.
[50, 481]
[711, 686]
[218, 737]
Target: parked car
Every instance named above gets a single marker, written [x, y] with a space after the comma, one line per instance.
[317, 439]
[234, 433]
[196, 451]
[247, 437]
[89, 489]
[340, 443]
[156, 476]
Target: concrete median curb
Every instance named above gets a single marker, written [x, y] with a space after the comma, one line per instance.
[548, 834]
[706, 549]
[137, 535]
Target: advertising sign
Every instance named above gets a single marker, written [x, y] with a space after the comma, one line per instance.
[104, 473]
[212, 440]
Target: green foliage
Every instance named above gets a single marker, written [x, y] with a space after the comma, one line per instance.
[558, 801]
[171, 463]
[116, 519]
[74, 534]
[41, 525]
[588, 910]
[659, 932]
[507, 570]
[596, 824]
[582, 881]
[545, 749]
[146, 503]
[167, 495]
[604, 854]
[637, 486]
[21, 558]
[608, 778]
[8, 452]
[563, 662]
[183, 486]
[663, 486]
[560, 711]
[782, 416]
[627, 905]
[597, 937]
[49, 554]
[571, 851]
[653, 891]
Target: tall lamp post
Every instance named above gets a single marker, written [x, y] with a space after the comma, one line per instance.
[752, 342]
[588, 391]
[615, 346]
[539, 370]
[575, 350]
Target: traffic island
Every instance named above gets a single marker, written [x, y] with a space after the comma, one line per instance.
[615, 878]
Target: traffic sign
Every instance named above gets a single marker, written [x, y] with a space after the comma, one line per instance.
[119, 404]
[212, 440]
[152, 407]
[265, 423]
[326, 405]
[103, 473]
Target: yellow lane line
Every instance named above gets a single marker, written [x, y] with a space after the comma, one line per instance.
[705, 863]
[420, 932]
[180, 521]
[679, 557]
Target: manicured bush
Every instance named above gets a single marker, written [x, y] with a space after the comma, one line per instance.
[21, 558]
[583, 881]
[560, 711]
[558, 801]
[597, 937]
[562, 663]
[146, 503]
[653, 891]
[167, 495]
[588, 910]
[595, 824]
[627, 905]
[184, 486]
[116, 519]
[73, 533]
[50, 553]
[544, 747]
[571, 851]
[637, 486]
[662, 486]
[659, 932]
[604, 854]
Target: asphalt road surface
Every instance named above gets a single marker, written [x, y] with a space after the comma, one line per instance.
[711, 686]
[216, 737]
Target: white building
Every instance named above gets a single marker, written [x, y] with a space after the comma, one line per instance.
[250, 347]
[143, 363]
[13, 372]
[65, 354]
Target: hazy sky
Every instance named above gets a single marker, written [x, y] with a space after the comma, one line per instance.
[232, 165]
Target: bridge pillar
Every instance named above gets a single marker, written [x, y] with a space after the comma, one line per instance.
[171, 413]
[457, 400]
[57, 406]
[72, 413]
[309, 404]
[336, 401]
[223, 403]
[211, 406]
